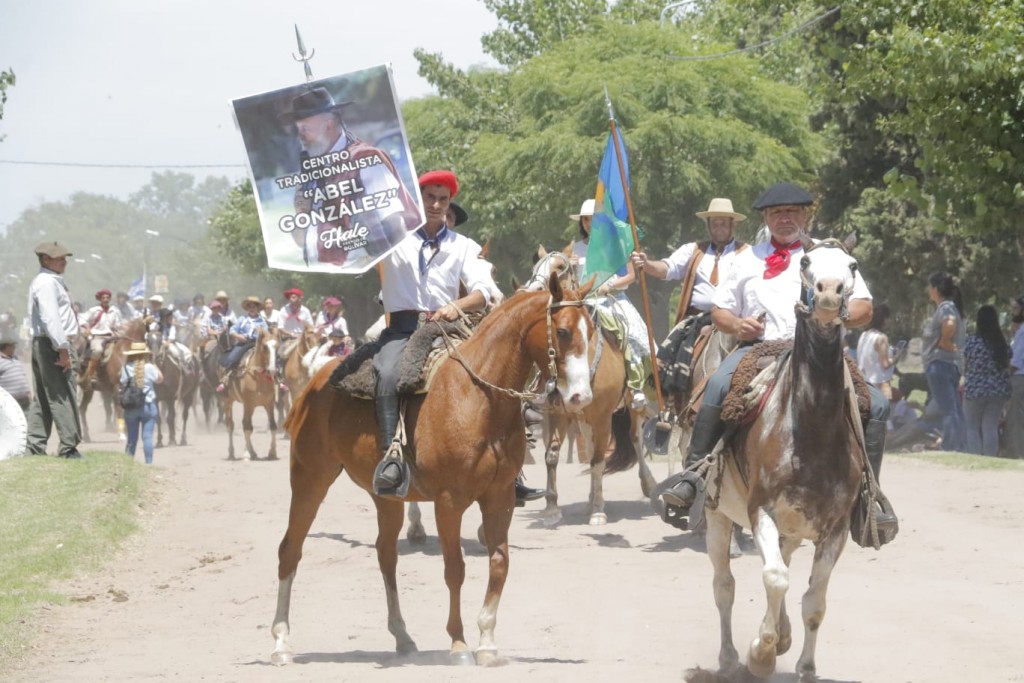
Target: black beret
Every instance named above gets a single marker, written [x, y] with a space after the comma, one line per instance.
[784, 194]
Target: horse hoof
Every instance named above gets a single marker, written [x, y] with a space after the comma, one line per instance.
[281, 657]
[550, 518]
[486, 656]
[598, 519]
[272, 456]
[406, 648]
[416, 536]
[462, 658]
[761, 664]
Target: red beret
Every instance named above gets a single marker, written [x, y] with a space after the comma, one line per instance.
[293, 290]
[445, 178]
[101, 293]
[332, 301]
[216, 304]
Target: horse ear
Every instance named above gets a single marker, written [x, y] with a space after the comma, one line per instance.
[554, 287]
[806, 241]
[569, 247]
[850, 242]
[541, 251]
[515, 283]
[587, 286]
[484, 250]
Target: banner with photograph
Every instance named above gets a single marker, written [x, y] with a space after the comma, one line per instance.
[330, 164]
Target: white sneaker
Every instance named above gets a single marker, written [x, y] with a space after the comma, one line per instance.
[639, 400]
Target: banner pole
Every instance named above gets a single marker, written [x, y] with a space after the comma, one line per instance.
[302, 55]
[636, 245]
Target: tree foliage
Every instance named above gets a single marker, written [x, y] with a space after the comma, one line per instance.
[6, 81]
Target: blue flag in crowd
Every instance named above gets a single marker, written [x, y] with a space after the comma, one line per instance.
[611, 237]
[138, 287]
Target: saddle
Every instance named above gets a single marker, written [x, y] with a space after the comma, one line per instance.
[678, 353]
[755, 376]
[428, 347]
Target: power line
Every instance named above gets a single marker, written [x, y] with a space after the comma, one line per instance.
[751, 48]
[76, 164]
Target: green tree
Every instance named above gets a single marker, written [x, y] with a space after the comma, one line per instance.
[6, 81]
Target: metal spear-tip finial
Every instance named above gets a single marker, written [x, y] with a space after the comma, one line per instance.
[608, 102]
[302, 55]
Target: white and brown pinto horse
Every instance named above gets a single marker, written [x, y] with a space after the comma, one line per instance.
[794, 472]
[466, 444]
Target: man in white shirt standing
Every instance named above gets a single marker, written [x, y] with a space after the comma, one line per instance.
[1015, 407]
[54, 329]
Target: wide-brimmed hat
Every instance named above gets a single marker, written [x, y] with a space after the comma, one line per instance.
[460, 214]
[52, 249]
[311, 103]
[7, 341]
[251, 300]
[157, 298]
[720, 206]
[221, 294]
[783, 194]
[587, 209]
[137, 349]
[138, 297]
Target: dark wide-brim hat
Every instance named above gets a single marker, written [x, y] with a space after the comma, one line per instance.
[252, 300]
[311, 103]
[460, 214]
[783, 194]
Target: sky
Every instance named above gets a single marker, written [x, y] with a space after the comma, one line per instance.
[149, 82]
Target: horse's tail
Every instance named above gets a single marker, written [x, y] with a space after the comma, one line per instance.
[624, 456]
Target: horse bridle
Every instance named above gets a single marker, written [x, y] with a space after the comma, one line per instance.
[560, 271]
[806, 306]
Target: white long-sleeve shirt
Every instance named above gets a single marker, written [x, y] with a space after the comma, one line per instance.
[703, 291]
[406, 289]
[102, 322]
[49, 306]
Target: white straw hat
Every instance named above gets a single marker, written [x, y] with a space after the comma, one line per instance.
[720, 206]
[586, 210]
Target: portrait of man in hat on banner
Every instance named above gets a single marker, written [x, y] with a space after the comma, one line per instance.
[340, 199]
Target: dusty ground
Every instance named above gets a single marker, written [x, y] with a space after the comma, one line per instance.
[193, 597]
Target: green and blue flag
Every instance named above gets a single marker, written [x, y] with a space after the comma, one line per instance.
[611, 237]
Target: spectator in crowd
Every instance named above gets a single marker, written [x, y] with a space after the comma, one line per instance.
[124, 307]
[54, 332]
[1015, 410]
[986, 382]
[942, 354]
[12, 373]
[873, 355]
[139, 369]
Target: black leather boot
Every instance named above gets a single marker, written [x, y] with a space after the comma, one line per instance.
[874, 445]
[389, 477]
[524, 493]
[708, 428]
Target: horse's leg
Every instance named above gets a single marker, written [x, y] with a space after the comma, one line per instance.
[389, 525]
[718, 532]
[497, 516]
[788, 547]
[186, 406]
[247, 410]
[160, 414]
[596, 440]
[310, 479]
[775, 574]
[108, 409]
[229, 422]
[647, 480]
[826, 554]
[570, 434]
[554, 429]
[449, 532]
[415, 532]
[83, 404]
[172, 418]
[269, 406]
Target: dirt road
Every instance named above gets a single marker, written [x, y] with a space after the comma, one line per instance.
[192, 598]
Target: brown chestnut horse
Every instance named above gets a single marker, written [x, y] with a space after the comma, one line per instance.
[466, 444]
[793, 473]
[108, 375]
[608, 415]
[293, 374]
[253, 384]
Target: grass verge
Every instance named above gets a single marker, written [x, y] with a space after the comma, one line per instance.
[58, 518]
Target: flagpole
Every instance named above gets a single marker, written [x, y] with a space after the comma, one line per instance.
[636, 246]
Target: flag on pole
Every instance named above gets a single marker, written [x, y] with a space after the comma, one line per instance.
[138, 287]
[611, 237]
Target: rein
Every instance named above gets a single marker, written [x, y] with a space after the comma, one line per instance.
[550, 388]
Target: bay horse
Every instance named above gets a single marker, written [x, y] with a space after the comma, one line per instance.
[608, 415]
[208, 353]
[466, 442]
[180, 385]
[253, 384]
[108, 375]
[793, 473]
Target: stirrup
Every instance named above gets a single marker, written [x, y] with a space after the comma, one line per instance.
[393, 455]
